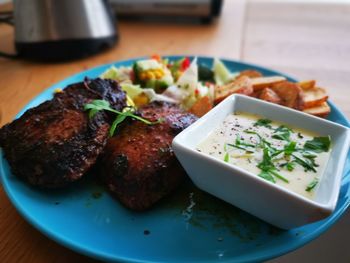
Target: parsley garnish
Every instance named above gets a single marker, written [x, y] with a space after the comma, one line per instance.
[236, 146]
[226, 158]
[267, 167]
[99, 105]
[264, 123]
[311, 158]
[292, 154]
[262, 142]
[119, 119]
[289, 148]
[318, 144]
[290, 166]
[311, 185]
[282, 133]
[267, 176]
[240, 142]
[308, 164]
[276, 174]
[275, 152]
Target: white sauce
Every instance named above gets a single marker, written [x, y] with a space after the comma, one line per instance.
[235, 125]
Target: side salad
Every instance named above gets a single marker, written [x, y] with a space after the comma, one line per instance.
[197, 87]
[181, 81]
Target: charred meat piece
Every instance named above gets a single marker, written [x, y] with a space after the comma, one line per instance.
[138, 164]
[55, 143]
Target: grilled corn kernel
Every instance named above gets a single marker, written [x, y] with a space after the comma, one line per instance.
[158, 74]
[150, 75]
[58, 90]
[143, 76]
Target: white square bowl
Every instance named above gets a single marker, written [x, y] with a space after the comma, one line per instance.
[270, 202]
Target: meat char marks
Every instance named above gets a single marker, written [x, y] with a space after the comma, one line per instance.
[56, 143]
[138, 164]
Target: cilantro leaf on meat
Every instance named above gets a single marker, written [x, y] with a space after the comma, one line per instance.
[98, 105]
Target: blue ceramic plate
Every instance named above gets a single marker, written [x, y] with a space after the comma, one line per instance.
[188, 226]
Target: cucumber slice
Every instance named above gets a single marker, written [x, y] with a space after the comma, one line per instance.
[221, 73]
[111, 73]
[131, 90]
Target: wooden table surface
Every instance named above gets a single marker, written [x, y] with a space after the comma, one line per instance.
[245, 30]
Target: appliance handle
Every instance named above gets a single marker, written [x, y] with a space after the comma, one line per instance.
[7, 18]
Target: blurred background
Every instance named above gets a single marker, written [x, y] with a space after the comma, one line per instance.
[307, 39]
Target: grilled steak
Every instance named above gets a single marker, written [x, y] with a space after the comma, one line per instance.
[138, 164]
[55, 143]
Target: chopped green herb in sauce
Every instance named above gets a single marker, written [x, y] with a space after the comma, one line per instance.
[237, 146]
[279, 154]
[227, 157]
[282, 133]
[268, 167]
[289, 148]
[264, 123]
[318, 144]
[290, 166]
[311, 185]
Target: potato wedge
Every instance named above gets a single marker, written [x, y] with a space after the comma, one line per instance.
[201, 106]
[242, 85]
[269, 95]
[307, 84]
[321, 110]
[314, 97]
[289, 92]
[250, 73]
[265, 82]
